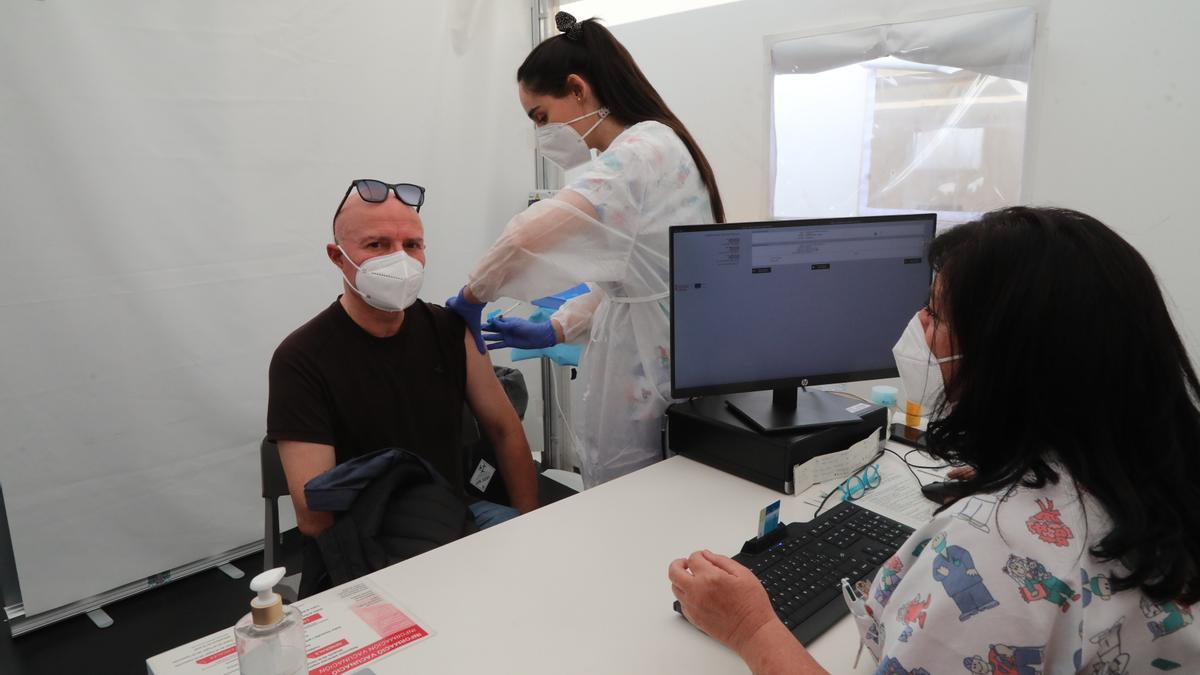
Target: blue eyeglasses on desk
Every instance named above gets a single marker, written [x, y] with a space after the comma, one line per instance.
[857, 485]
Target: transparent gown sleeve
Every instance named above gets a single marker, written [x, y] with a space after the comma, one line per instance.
[575, 316]
[554, 244]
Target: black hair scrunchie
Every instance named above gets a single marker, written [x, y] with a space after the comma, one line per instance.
[568, 25]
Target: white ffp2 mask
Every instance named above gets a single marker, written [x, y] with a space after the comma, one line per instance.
[920, 370]
[388, 282]
[561, 144]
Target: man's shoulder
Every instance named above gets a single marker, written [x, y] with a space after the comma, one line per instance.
[447, 320]
[311, 337]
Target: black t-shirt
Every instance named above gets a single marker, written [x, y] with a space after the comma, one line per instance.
[333, 383]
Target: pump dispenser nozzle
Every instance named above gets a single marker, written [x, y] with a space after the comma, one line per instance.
[270, 639]
[267, 607]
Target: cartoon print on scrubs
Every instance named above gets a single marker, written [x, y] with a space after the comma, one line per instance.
[910, 612]
[1048, 526]
[1006, 660]
[875, 633]
[664, 357]
[977, 510]
[1110, 660]
[889, 579]
[1036, 582]
[1166, 617]
[973, 568]
[955, 570]
[920, 547]
[1098, 586]
[892, 666]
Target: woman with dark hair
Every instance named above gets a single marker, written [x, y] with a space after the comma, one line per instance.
[607, 227]
[1075, 544]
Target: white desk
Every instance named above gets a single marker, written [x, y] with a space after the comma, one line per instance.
[580, 586]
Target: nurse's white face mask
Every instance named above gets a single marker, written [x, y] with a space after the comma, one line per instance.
[388, 282]
[920, 370]
[561, 144]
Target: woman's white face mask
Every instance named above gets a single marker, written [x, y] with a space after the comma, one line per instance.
[387, 282]
[920, 370]
[561, 144]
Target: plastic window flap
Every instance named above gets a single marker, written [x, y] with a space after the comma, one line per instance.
[940, 125]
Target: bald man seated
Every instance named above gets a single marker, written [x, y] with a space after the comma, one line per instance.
[379, 368]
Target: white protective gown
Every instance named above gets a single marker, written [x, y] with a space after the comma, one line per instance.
[608, 227]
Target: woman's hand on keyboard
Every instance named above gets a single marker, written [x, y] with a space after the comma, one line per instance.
[720, 597]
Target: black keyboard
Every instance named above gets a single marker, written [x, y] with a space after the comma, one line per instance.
[802, 573]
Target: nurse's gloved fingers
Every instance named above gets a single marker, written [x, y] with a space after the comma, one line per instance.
[495, 325]
[470, 313]
[497, 345]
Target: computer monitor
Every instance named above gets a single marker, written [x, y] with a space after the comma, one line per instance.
[759, 309]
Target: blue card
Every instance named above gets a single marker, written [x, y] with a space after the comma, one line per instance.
[768, 519]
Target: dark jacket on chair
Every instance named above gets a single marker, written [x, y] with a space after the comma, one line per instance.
[390, 505]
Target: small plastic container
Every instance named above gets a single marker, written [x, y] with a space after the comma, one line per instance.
[884, 395]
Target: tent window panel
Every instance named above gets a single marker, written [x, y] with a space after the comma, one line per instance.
[919, 116]
[886, 135]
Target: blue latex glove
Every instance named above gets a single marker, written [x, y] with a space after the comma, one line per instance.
[470, 313]
[505, 331]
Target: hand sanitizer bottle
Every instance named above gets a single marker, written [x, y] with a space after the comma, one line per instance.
[270, 639]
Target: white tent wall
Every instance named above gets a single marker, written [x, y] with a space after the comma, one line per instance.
[168, 171]
[1112, 108]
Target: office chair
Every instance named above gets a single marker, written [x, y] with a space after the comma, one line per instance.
[274, 486]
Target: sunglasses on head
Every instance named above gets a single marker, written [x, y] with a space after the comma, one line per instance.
[376, 191]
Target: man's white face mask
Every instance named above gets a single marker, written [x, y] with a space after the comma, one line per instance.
[388, 282]
[561, 144]
[920, 370]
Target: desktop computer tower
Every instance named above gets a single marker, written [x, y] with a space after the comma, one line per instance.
[705, 430]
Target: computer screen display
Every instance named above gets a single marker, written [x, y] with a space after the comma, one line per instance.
[768, 305]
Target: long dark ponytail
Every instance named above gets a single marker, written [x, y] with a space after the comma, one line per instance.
[589, 50]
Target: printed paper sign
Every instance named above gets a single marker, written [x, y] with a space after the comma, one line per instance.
[345, 629]
[835, 464]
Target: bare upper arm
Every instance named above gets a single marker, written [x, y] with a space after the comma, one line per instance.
[486, 395]
[301, 463]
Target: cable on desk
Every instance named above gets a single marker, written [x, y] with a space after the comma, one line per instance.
[906, 464]
[849, 395]
[922, 466]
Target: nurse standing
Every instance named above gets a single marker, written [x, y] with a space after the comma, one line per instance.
[608, 227]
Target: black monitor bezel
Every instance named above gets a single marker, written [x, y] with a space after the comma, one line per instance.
[794, 381]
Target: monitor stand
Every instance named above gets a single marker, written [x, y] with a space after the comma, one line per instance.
[788, 410]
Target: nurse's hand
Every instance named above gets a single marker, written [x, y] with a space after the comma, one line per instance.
[961, 473]
[470, 313]
[721, 597]
[504, 331]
